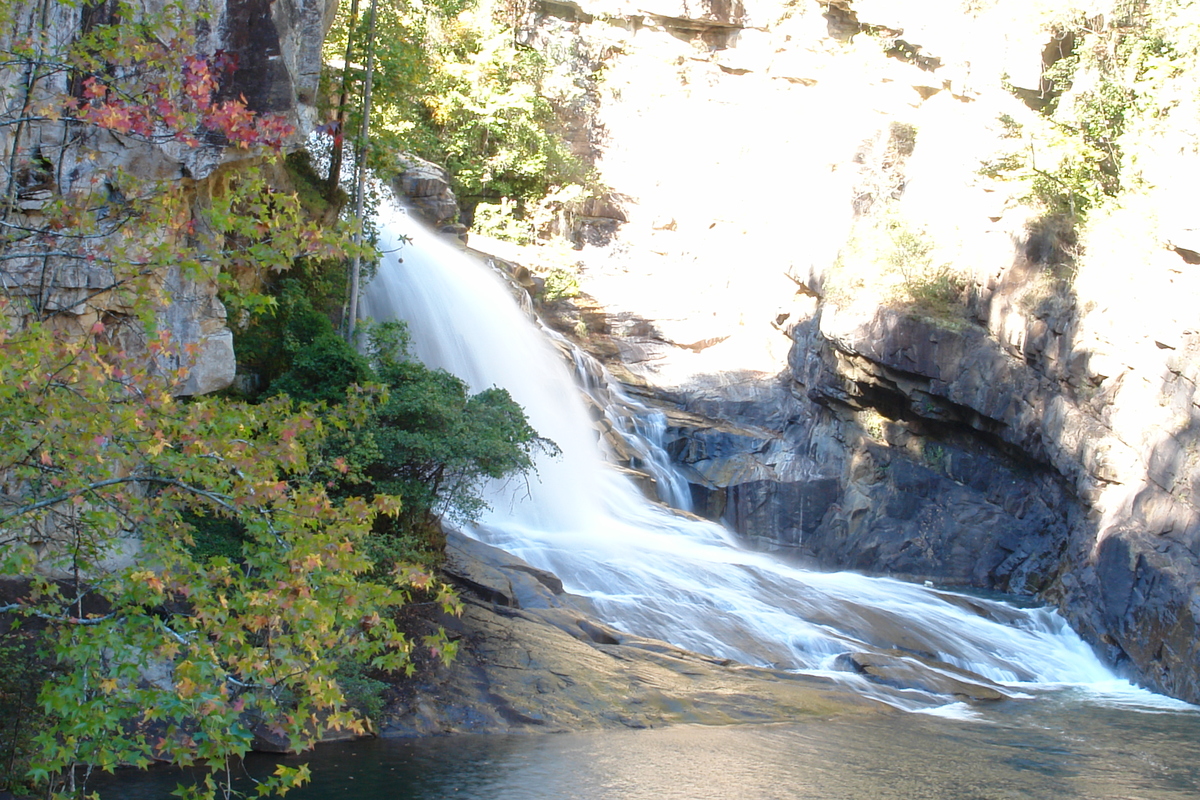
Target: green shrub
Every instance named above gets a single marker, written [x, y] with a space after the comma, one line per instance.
[322, 370]
[296, 351]
[214, 536]
[364, 693]
[439, 443]
[426, 439]
[560, 283]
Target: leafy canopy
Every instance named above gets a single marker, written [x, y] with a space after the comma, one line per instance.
[157, 647]
[453, 86]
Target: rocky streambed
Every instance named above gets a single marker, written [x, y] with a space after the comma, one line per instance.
[531, 658]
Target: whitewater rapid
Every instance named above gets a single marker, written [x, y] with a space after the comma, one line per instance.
[656, 573]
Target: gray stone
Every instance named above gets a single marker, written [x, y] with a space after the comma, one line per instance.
[906, 671]
[427, 187]
[214, 365]
[278, 50]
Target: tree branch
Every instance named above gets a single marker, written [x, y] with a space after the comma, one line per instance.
[70, 620]
[220, 500]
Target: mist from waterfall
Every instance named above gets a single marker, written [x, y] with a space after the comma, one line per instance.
[658, 574]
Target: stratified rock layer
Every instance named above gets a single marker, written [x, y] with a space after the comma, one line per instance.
[276, 45]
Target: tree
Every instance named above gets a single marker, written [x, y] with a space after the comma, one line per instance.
[360, 172]
[162, 652]
[157, 648]
[338, 126]
[426, 438]
[438, 444]
[452, 85]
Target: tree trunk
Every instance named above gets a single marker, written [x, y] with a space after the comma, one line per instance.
[339, 134]
[360, 166]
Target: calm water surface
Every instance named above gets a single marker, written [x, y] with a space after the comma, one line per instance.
[1058, 746]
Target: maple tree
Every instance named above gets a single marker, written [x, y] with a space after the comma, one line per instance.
[158, 650]
[167, 653]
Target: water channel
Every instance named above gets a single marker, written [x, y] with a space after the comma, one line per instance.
[1062, 745]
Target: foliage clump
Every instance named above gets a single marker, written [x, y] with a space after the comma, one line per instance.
[888, 257]
[427, 439]
[453, 86]
[1108, 95]
[560, 283]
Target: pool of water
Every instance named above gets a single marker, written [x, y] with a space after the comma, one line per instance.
[1059, 745]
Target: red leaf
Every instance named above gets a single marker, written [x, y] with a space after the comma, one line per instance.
[93, 89]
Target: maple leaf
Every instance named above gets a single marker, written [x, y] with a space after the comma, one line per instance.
[93, 89]
[158, 445]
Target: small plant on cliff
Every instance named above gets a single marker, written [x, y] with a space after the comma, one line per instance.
[560, 282]
[892, 260]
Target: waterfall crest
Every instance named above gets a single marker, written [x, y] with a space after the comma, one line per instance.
[656, 573]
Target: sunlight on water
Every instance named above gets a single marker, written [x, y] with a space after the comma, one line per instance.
[1061, 749]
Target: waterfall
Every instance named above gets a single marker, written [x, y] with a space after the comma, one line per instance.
[656, 573]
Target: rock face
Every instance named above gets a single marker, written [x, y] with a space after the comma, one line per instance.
[1053, 490]
[277, 50]
[427, 187]
[1042, 438]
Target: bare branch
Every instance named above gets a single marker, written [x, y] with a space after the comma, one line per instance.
[70, 620]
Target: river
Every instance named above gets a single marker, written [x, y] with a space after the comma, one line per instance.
[1060, 745]
[1071, 729]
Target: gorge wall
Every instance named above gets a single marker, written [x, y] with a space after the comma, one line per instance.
[275, 47]
[745, 271]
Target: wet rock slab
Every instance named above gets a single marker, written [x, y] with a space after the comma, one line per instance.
[905, 671]
[532, 658]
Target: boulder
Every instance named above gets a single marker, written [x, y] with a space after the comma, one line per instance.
[427, 188]
[905, 671]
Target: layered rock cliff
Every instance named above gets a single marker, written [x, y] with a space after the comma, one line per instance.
[974, 396]
[275, 49]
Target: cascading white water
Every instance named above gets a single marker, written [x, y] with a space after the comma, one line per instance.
[641, 427]
[662, 575]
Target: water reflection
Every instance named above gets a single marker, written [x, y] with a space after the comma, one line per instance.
[1060, 746]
